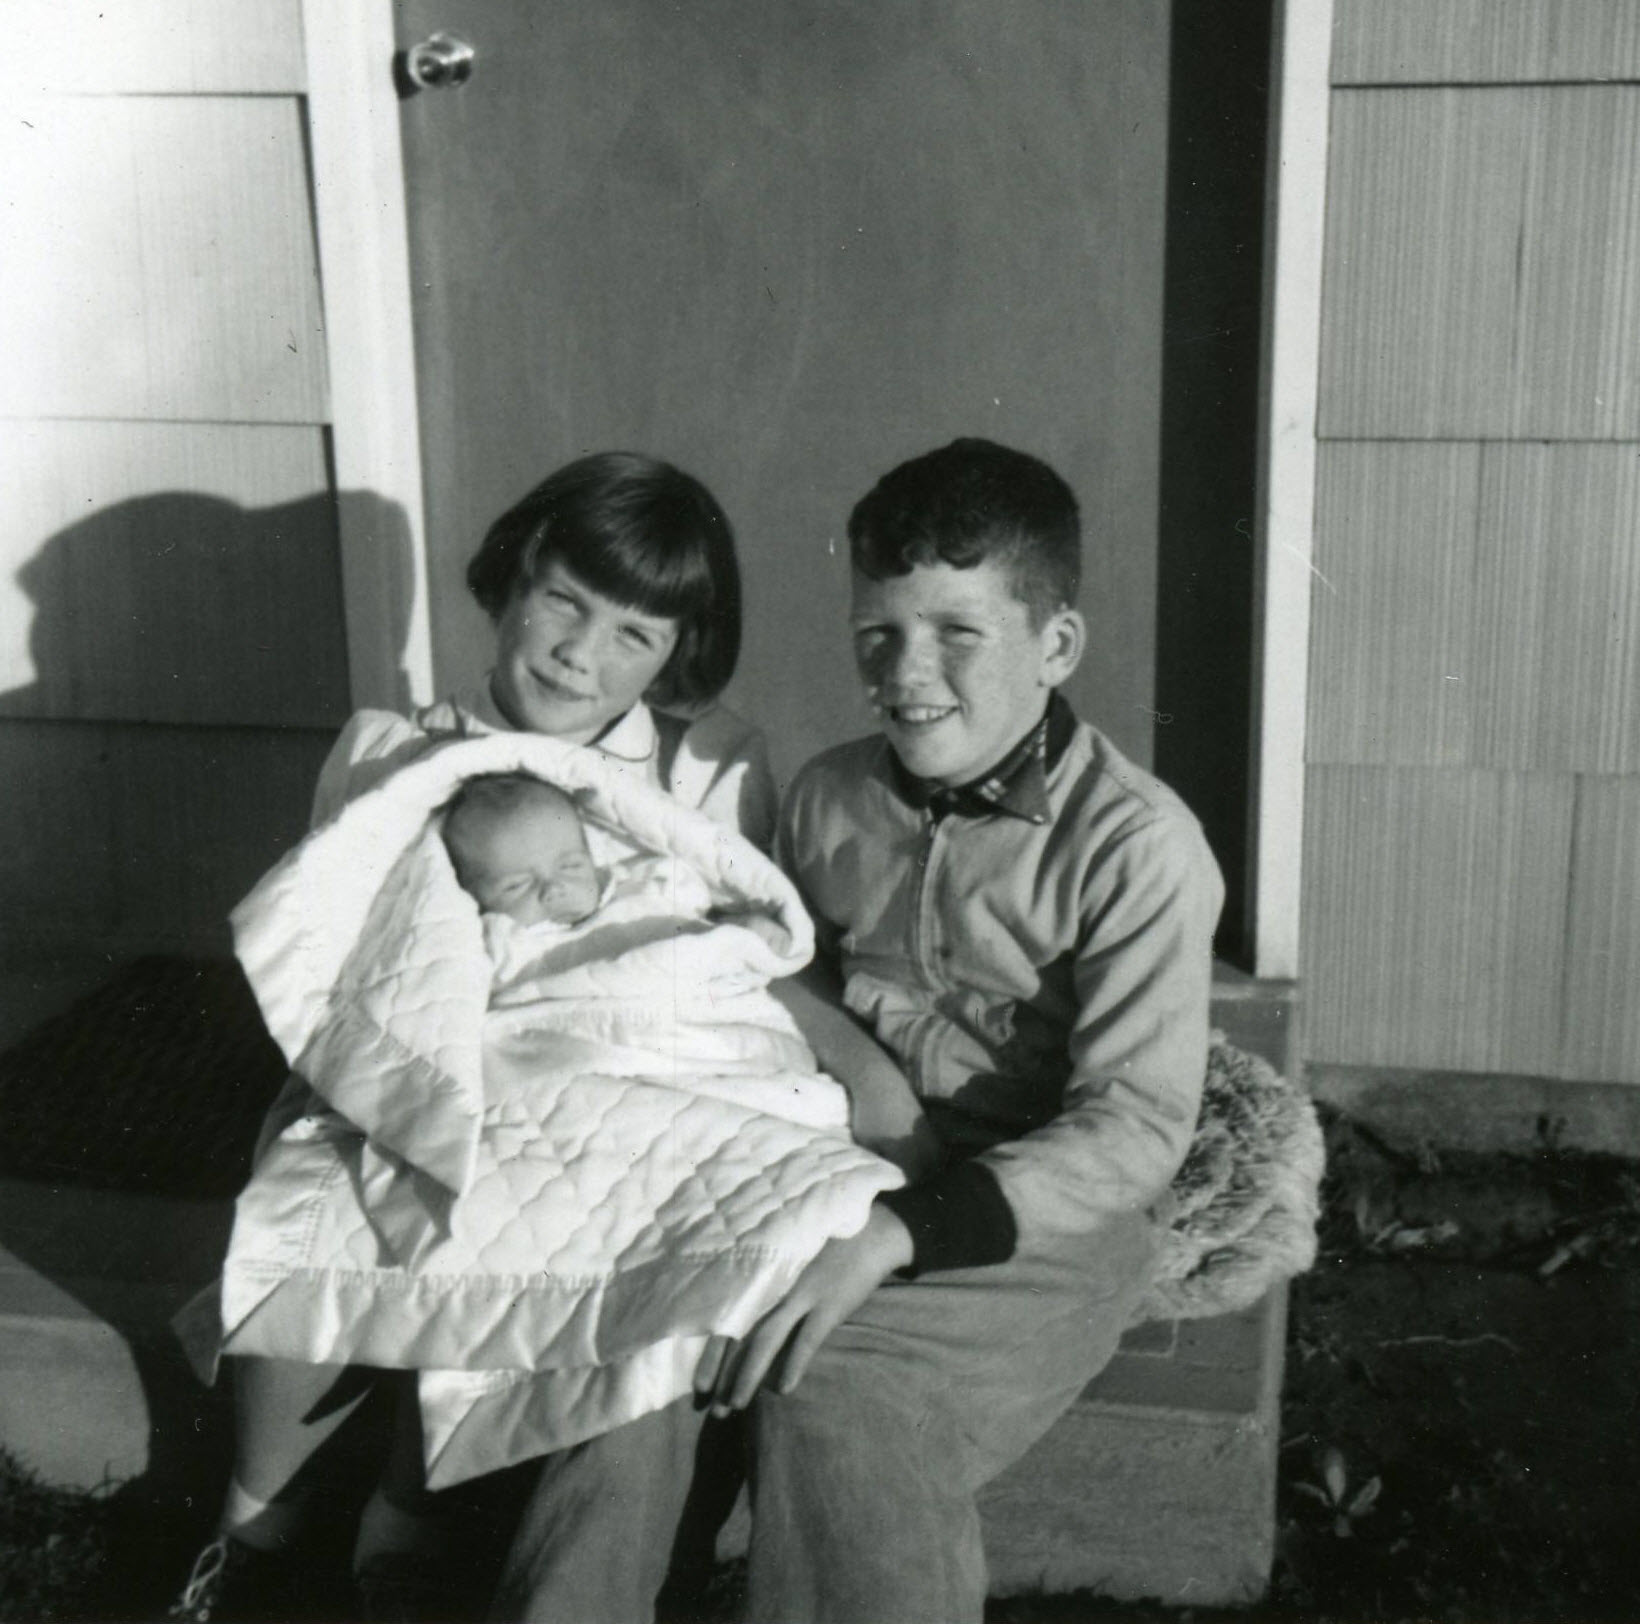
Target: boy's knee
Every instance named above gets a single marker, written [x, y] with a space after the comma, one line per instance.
[850, 1409]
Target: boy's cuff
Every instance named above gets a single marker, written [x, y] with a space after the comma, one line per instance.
[958, 1219]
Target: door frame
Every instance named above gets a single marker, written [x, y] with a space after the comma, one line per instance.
[1284, 525]
[361, 220]
[364, 274]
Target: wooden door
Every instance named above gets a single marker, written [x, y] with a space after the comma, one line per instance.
[787, 245]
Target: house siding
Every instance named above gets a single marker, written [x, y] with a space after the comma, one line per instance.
[1473, 749]
[172, 642]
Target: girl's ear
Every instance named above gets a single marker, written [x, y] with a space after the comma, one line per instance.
[1062, 639]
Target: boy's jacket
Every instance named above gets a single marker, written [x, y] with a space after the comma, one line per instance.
[1045, 985]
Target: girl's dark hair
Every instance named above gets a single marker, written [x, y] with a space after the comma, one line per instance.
[641, 532]
[967, 502]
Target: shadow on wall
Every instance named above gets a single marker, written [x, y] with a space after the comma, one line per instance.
[188, 665]
[186, 671]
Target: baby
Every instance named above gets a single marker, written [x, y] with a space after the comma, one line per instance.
[549, 1136]
[520, 850]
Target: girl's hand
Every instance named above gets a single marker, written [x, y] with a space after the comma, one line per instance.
[885, 1114]
[837, 1281]
[897, 1128]
[762, 925]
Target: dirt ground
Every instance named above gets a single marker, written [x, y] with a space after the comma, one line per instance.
[1461, 1413]
[1461, 1418]
[1470, 1342]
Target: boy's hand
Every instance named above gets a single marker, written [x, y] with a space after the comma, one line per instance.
[835, 1283]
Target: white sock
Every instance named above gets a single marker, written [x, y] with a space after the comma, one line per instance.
[265, 1524]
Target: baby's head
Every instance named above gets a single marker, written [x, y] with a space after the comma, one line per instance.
[519, 849]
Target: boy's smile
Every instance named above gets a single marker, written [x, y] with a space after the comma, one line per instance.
[953, 666]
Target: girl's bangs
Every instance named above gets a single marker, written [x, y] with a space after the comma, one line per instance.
[673, 587]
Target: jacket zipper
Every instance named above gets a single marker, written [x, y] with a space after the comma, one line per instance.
[925, 856]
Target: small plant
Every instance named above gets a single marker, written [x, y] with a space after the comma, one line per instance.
[1345, 1504]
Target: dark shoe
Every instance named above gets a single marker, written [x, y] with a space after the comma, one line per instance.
[234, 1583]
[415, 1587]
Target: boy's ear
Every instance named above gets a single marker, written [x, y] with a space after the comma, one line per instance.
[1064, 635]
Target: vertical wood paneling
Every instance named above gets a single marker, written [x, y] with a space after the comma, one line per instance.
[1603, 950]
[166, 552]
[1391, 679]
[1483, 267]
[57, 833]
[155, 46]
[142, 838]
[170, 572]
[1423, 224]
[1573, 328]
[1434, 917]
[1557, 641]
[159, 261]
[1480, 41]
[1479, 912]
[211, 809]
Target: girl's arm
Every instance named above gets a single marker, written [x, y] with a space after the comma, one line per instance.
[720, 764]
[885, 1114]
[372, 745]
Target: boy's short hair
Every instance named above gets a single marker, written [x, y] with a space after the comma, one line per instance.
[492, 795]
[641, 532]
[970, 501]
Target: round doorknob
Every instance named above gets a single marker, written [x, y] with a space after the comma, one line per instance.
[442, 61]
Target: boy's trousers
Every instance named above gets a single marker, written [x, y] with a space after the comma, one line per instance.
[863, 1478]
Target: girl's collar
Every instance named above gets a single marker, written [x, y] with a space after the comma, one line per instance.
[631, 738]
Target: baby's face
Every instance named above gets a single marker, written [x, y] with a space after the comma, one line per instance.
[531, 864]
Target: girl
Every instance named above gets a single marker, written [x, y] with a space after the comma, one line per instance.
[614, 591]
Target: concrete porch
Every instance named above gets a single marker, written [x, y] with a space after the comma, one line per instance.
[1159, 1482]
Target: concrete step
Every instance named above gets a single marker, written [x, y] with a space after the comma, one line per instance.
[93, 1385]
[1158, 1482]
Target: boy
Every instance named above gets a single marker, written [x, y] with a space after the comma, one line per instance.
[1024, 919]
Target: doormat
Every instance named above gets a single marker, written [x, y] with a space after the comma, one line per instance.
[155, 1083]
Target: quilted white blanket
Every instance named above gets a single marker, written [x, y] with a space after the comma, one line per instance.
[544, 1203]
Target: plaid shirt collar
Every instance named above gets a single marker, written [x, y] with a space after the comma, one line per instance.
[1017, 785]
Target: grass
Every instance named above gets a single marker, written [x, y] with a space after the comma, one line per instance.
[55, 1548]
